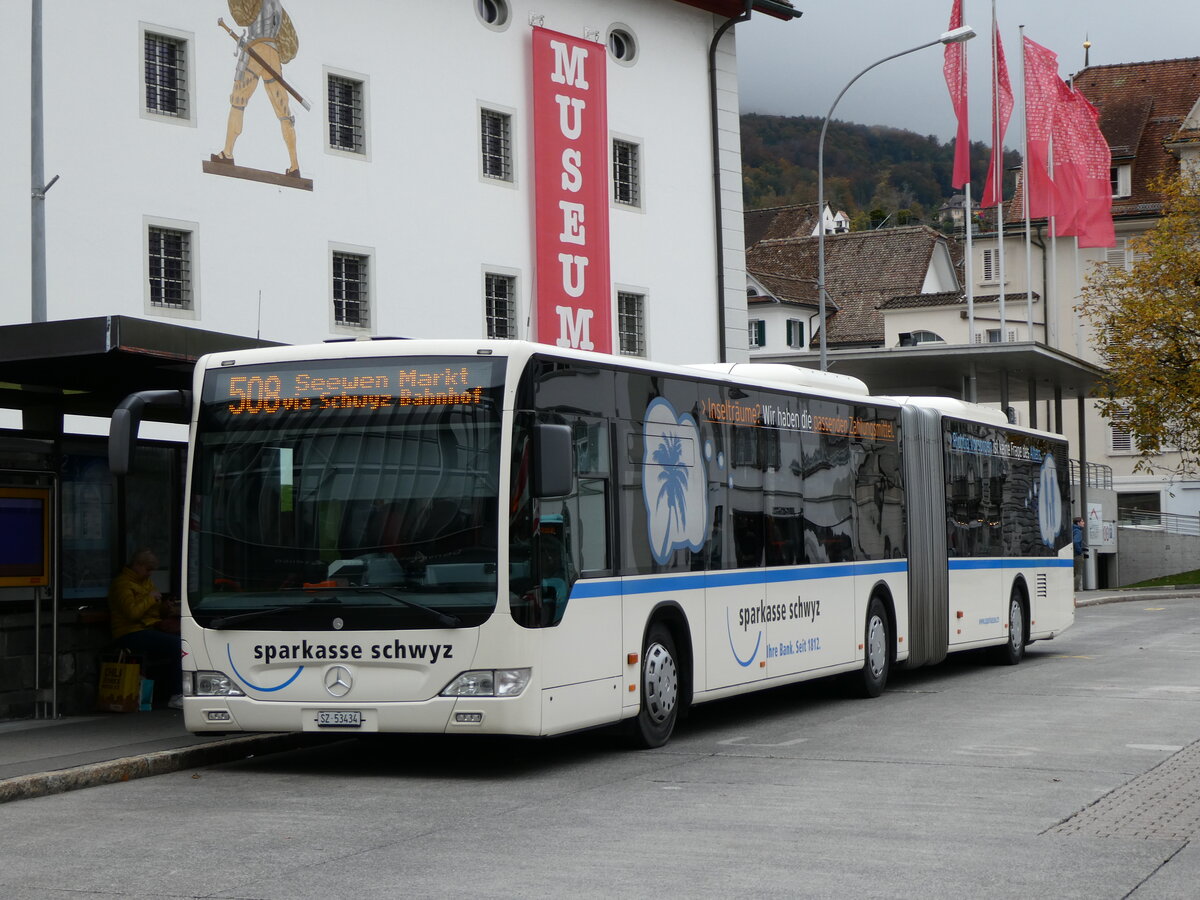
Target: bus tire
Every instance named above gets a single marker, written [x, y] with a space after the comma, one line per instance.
[655, 720]
[1013, 650]
[877, 652]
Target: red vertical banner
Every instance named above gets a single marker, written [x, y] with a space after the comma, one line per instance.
[1042, 91]
[1002, 107]
[954, 67]
[570, 159]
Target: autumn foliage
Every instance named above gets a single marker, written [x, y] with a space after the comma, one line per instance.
[1146, 318]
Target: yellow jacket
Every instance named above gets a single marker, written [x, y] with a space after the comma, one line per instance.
[132, 604]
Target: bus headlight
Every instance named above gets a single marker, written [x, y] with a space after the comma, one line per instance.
[210, 684]
[488, 683]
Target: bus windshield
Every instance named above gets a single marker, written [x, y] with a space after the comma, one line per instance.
[357, 492]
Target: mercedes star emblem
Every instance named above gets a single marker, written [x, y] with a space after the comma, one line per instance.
[338, 681]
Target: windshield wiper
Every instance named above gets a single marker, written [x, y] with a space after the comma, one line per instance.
[436, 614]
[221, 621]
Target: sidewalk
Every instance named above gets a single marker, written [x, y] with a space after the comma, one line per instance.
[40, 757]
[49, 756]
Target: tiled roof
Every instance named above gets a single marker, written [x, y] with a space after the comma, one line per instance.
[780, 222]
[862, 270]
[948, 298]
[787, 289]
[1142, 108]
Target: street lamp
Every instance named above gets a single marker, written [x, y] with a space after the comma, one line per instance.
[953, 36]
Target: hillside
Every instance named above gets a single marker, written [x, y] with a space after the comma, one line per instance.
[870, 170]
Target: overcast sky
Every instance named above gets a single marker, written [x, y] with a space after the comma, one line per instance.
[797, 68]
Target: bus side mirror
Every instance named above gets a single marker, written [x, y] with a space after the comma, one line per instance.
[553, 461]
[123, 429]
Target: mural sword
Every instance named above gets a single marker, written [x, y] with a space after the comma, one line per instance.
[248, 48]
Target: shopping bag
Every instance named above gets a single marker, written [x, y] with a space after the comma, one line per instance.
[120, 686]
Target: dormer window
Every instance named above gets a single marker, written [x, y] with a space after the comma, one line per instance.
[1122, 180]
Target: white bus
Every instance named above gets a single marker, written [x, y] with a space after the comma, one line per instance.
[505, 538]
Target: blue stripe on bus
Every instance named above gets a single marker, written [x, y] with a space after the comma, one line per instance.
[1038, 562]
[699, 581]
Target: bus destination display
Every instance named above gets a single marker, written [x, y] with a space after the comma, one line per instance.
[298, 388]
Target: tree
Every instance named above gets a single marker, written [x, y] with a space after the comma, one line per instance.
[1147, 318]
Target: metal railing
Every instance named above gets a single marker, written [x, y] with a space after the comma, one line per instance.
[1171, 523]
[1098, 475]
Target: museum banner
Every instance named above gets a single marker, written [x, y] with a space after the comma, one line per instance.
[570, 156]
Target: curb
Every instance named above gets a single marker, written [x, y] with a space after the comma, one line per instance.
[161, 762]
[1138, 594]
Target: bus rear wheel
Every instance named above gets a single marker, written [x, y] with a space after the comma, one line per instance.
[660, 690]
[1013, 650]
[877, 652]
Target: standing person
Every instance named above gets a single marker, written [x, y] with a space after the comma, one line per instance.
[146, 625]
[1080, 550]
[270, 32]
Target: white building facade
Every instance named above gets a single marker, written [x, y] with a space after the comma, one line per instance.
[399, 197]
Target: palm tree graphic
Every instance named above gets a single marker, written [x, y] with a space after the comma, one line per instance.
[674, 478]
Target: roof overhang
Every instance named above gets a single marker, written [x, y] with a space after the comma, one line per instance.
[87, 366]
[1013, 372]
[780, 9]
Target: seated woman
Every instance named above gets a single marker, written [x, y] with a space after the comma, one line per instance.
[147, 626]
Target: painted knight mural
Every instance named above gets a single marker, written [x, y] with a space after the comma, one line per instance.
[267, 44]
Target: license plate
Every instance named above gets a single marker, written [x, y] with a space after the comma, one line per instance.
[339, 718]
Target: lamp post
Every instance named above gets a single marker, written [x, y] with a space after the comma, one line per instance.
[954, 36]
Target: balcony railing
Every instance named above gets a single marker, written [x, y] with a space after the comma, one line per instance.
[1098, 475]
[1171, 523]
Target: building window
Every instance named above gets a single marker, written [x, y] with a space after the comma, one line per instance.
[795, 334]
[351, 289]
[991, 265]
[1122, 180]
[495, 130]
[758, 334]
[631, 323]
[493, 13]
[170, 258]
[622, 45]
[1121, 256]
[344, 98]
[500, 305]
[165, 76]
[626, 173]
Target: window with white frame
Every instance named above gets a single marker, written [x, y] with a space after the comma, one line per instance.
[631, 323]
[795, 334]
[627, 178]
[758, 333]
[500, 305]
[1122, 180]
[1121, 439]
[351, 289]
[165, 75]
[345, 101]
[991, 265]
[495, 135]
[1121, 255]
[170, 267]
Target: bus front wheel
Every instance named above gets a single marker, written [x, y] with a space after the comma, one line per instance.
[660, 690]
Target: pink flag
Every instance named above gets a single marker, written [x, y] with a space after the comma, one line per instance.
[1085, 163]
[1002, 107]
[955, 70]
[1042, 87]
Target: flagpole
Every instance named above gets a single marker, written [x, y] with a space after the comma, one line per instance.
[1025, 194]
[997, 143]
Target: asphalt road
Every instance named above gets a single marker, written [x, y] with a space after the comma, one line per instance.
[1075, 774]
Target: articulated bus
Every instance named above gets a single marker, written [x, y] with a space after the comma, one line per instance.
[501, 537]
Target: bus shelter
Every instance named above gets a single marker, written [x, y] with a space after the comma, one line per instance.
[66, 524]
